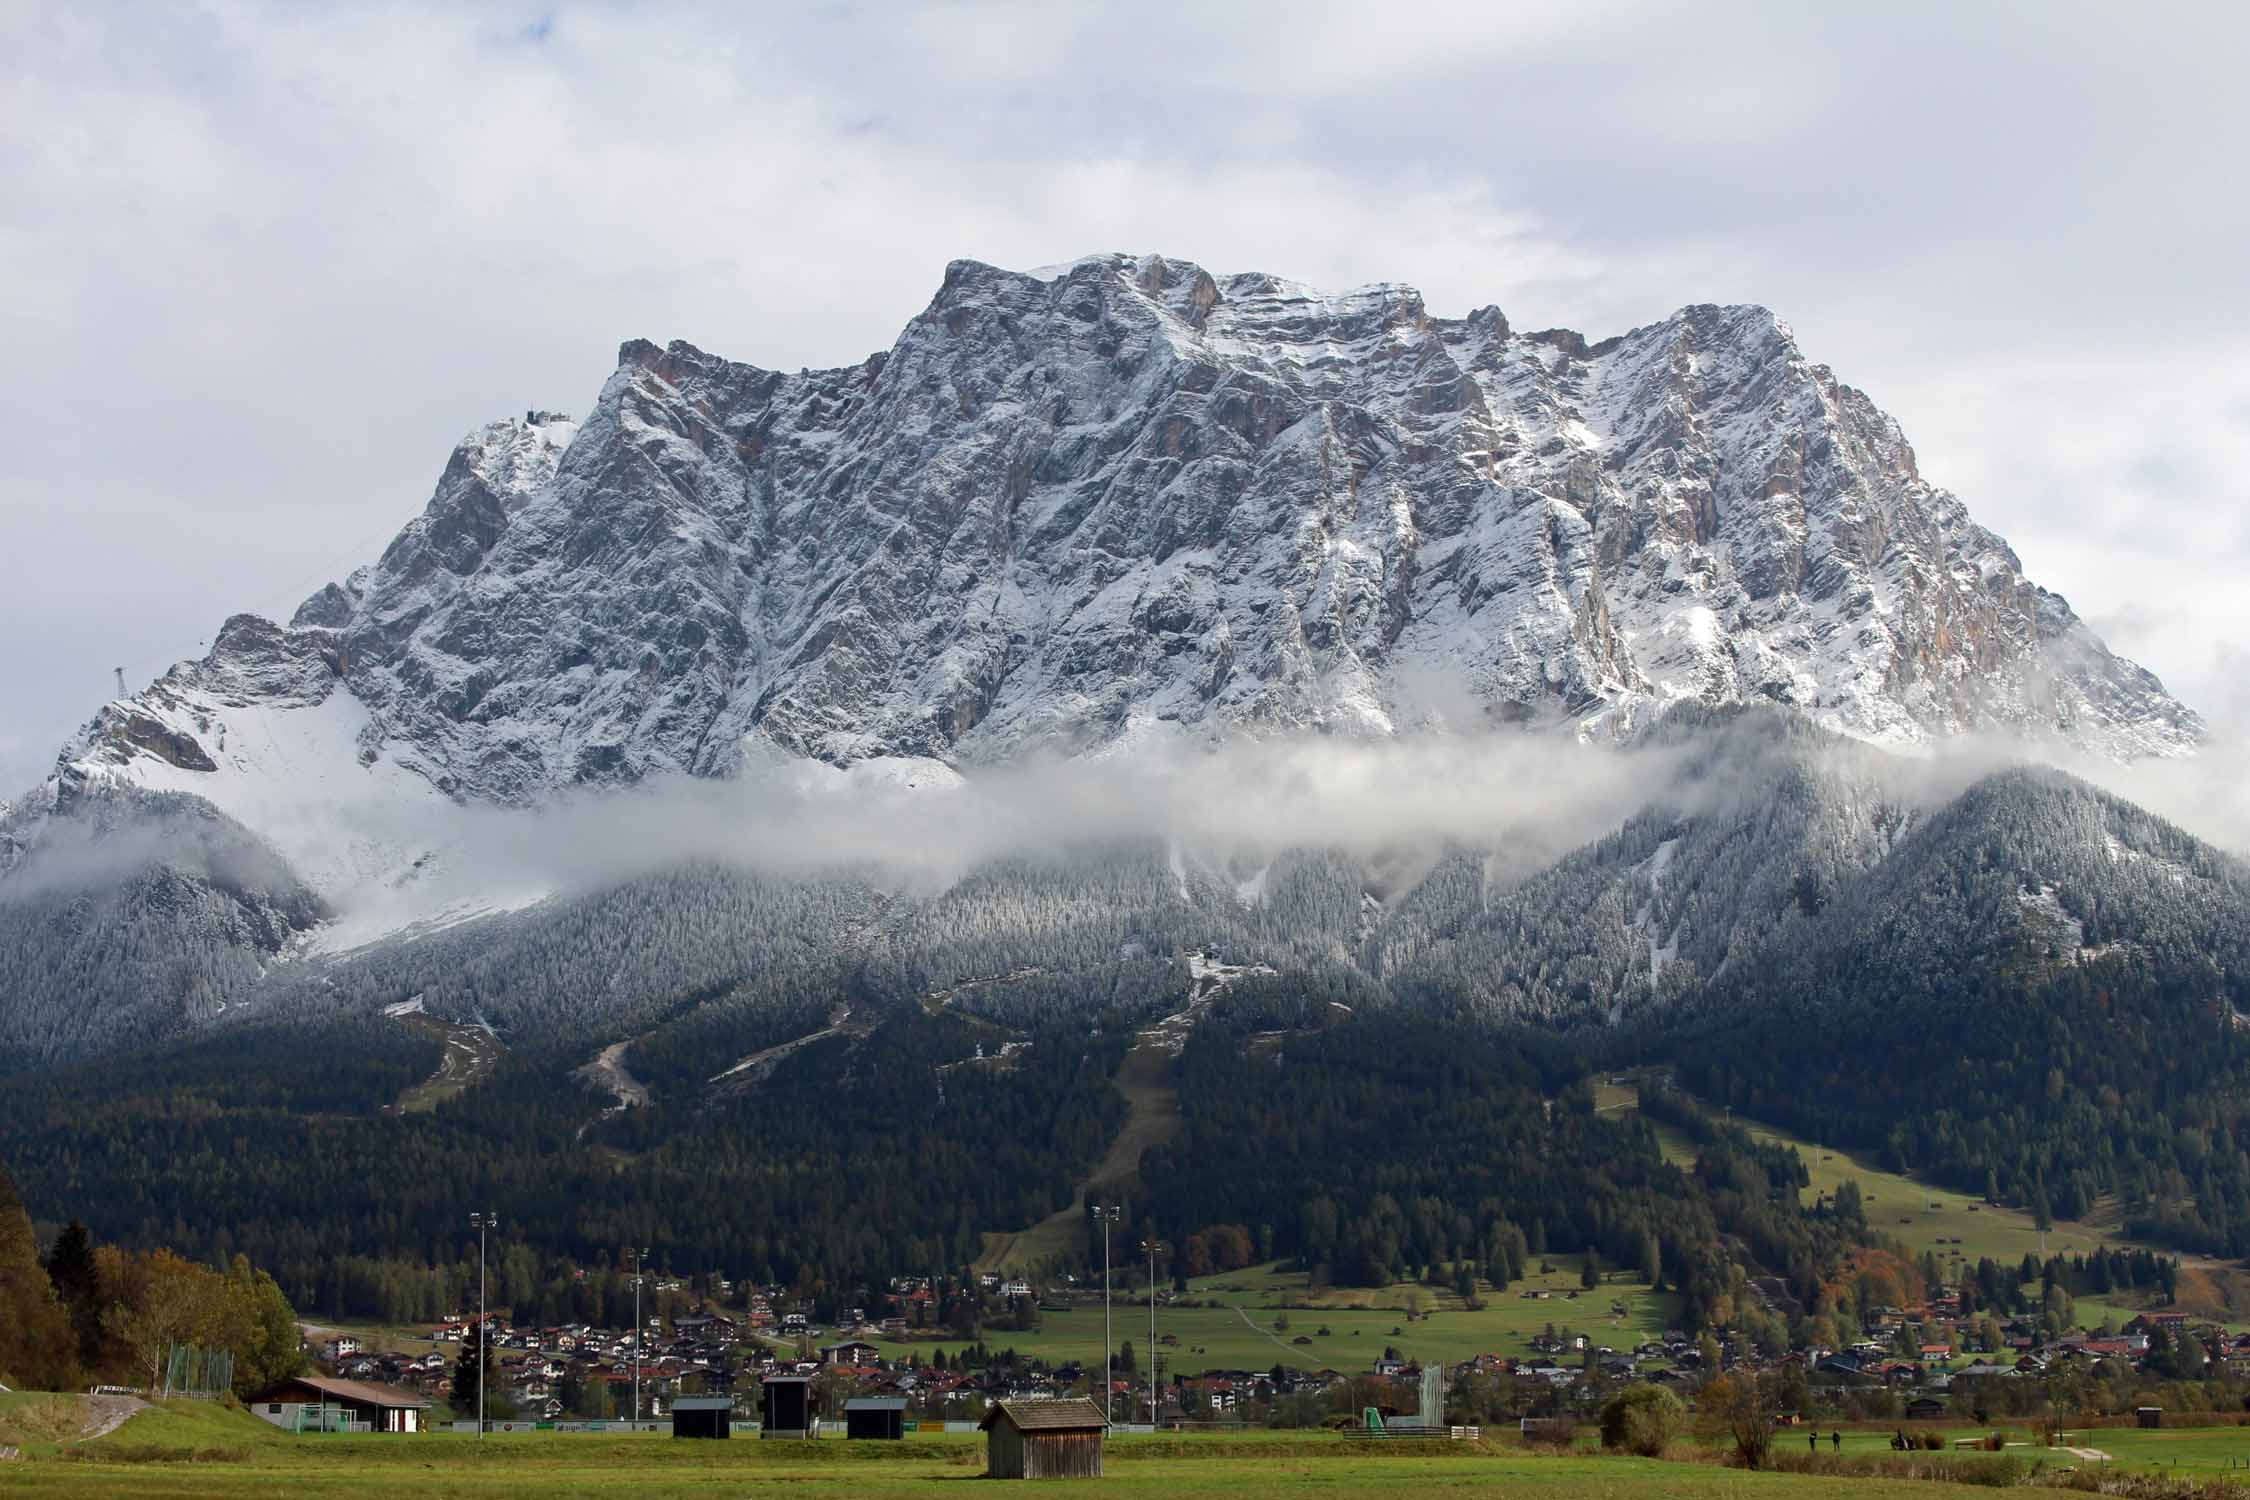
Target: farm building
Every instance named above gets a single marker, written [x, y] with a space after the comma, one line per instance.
[788, 1407]
[1043, 1440]
[1925, 1409]
[314, 1402]
[875, 1417]
[2149, 1416]
[703, 1417]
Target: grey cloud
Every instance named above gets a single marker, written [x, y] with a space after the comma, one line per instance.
[1528, 798]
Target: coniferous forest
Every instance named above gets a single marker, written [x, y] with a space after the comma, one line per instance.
[2027, 989]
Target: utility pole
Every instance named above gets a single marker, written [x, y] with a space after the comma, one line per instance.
[1106, 1216]
[640, 1260]
[481, 1223]
[1152, 1247]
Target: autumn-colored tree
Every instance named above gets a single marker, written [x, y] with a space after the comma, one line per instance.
[1232, 1247]
[261, 1330]
[1738, 1406]
[171, 1302]
[37, 1346]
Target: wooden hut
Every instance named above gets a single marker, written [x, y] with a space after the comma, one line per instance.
[703, 1417]
[875, 1417]
[788, 1407]
[1043, 1440]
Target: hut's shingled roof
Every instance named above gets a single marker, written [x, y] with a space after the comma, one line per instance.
[1075, 1414]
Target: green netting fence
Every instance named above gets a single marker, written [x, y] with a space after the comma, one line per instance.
[195, 1371]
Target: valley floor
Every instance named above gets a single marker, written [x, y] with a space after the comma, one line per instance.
[185, 1450]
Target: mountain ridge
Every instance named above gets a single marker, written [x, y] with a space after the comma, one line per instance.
[1128, 505]
[1138, 500]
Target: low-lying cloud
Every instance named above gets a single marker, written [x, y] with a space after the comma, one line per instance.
[1529, 798]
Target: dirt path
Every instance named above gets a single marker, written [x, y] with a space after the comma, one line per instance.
[1270, 1336]
[608, 1071]
[105, 1414]
[758, 1064]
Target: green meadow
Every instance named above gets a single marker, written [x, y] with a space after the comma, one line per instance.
[1262, 1316]
[186, 1451]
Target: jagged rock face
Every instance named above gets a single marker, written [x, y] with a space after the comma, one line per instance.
[1073, 508]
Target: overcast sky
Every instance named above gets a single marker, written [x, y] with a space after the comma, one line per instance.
[261, 268]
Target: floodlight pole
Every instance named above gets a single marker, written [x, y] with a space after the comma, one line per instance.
[481, 1223]
[640, 1260]
[1106, 1216]
[1152, 1247]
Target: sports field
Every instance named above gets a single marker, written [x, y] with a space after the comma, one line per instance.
[189, 1451]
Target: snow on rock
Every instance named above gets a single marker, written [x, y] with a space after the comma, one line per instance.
[1111, 503]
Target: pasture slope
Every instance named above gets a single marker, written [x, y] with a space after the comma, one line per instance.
[1256, 1318]
[1960, 1228]
[186, 1452]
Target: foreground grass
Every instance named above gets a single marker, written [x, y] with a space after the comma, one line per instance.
[155, 1455]
[39, 1419]
[2199, 1450]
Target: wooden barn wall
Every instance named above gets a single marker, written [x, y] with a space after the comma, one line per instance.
[1063, 1455]
[1004, 1451]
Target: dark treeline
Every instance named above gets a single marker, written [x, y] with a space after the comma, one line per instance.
[1382, 1148]
[856, 1156]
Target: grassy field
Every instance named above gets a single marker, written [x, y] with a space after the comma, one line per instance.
[34, 1418]
[1960, 1228]
[2198, 1450]
[189, 1451]
[2201, 1451]
[1235, 1322]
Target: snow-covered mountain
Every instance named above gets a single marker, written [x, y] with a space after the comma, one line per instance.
[1082, 510]
[1127, 498]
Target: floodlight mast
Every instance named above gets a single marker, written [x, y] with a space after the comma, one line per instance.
[640, 1261]
[1106, 1216]
[481, 1222]
[1154, 1248]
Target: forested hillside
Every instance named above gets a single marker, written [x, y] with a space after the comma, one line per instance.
[2039, 996]
[2029, 988]
[144, 915]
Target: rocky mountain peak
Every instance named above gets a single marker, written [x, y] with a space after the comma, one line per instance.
[1129, 497]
